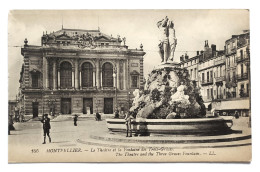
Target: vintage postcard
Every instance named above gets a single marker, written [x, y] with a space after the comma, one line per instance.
[129, 86]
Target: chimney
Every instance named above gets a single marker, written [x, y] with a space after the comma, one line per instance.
[198, 53]
[186, 56]
[213, 47]
[205, 43]
[201, 52]
[181, 58]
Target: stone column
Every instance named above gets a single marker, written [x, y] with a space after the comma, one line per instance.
[98, 74]
[94, 78]
[124, 77]
[80, 82]
[114, 79]
[47, 73]
[54, 74]
[73, 78]
[77, 74]
[101, 81]
[117, 75]
[58, 78]
[126, 74]
[44, 71]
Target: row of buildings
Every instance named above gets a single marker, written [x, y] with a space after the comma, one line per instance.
[85, 71]
[223, 75]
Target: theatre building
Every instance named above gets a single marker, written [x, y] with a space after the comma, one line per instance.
[79, 71]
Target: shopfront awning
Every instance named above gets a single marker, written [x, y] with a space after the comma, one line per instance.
[233, 105]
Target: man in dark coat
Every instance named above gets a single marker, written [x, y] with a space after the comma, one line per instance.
[46, 128]
[75, 120]
[98, 117]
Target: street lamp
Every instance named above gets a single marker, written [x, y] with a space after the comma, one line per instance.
[114, 76]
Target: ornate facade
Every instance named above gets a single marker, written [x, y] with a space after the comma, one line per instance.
[79, 71]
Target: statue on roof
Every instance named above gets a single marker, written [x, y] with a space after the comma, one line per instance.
[168, 40]
[86, 40]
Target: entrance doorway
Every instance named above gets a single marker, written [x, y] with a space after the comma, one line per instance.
[66, 105]
[108, 105]
[35, 107]
[87, 105]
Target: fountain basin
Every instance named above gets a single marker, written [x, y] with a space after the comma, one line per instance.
[173, 126]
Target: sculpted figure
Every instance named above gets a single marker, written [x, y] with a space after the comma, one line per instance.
[172, 40]
[168, 41]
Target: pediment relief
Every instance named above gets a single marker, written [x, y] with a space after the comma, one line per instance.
[134, 72]
[63, 36]
[102, 38]
[34, 70]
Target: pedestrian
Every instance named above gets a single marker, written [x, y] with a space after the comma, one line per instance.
[46, 127]
[116, 113]
[10, 124]
[17, 116]
[236, 115]
[75, 120]
[128, 122]
[98, 117]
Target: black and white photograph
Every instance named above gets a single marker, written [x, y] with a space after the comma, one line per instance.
[129, 86]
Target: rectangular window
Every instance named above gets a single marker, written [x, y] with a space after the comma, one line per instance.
[207, 76]
[207, 93]
[241, 54]
[247, 88]
[191, 73]
[195, 73]
[242, 70]
[234, 76]
[35, 80]
[134, 82]
[203, 77]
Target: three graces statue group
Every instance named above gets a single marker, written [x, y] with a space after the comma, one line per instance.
[168, 41]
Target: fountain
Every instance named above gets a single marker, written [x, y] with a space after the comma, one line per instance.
[170, 102]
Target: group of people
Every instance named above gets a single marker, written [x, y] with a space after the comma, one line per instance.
[46, 124]
[235, 114]
[18, 115]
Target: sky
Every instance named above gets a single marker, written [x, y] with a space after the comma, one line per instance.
[192, 28]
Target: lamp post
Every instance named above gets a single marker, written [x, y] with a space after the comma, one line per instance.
[42, 101]
[114, 76]
[129, 93]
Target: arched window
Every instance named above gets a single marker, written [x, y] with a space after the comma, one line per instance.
[65, 75]
[107, 75]
[87, 74]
